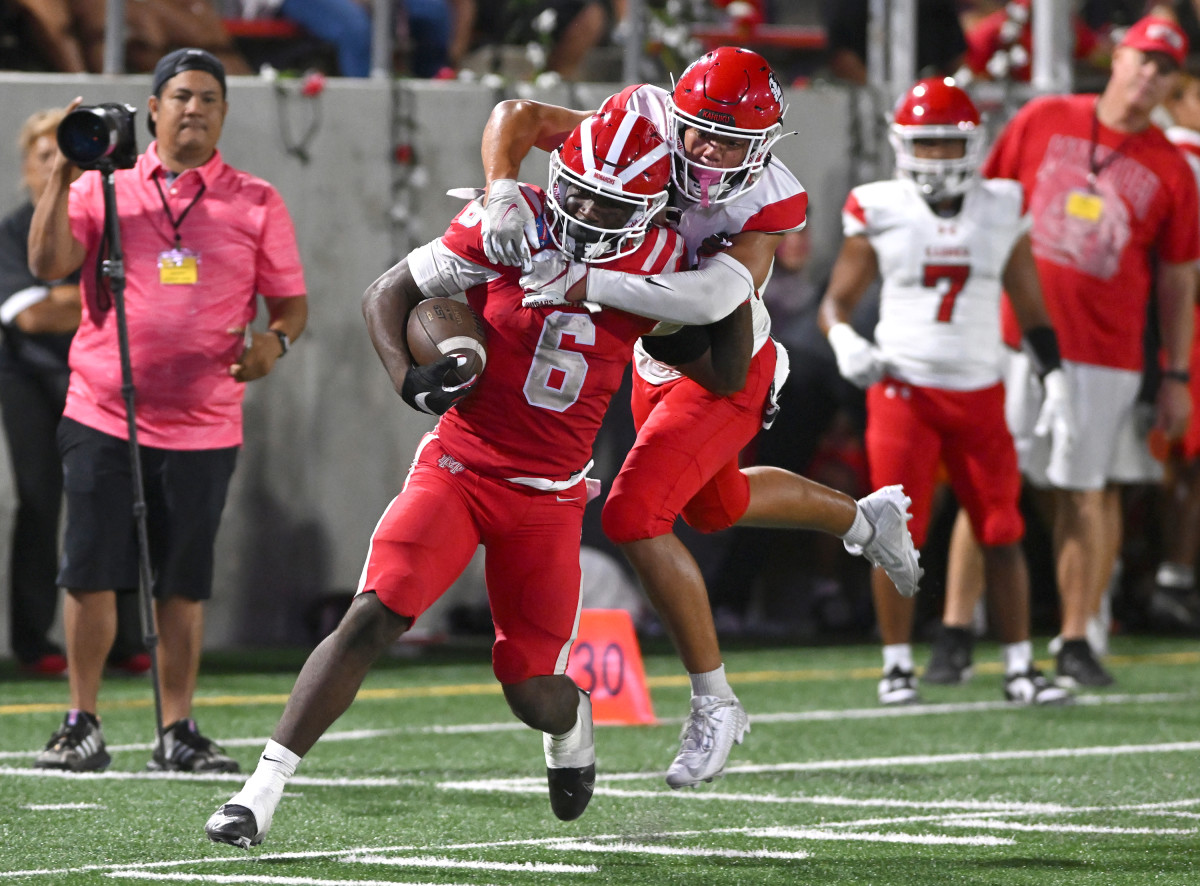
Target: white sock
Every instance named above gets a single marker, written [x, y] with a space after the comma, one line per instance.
[898, 655]
[861, 531]
[1018, 657]
[264, 788]
[712, 683]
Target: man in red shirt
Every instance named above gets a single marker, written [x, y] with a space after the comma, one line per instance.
[202, 241]
[1114, 210]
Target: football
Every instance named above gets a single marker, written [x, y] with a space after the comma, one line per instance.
[438, 327]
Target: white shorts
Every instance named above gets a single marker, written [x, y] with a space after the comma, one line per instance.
[1109, 448]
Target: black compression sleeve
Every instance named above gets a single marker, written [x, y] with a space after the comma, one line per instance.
[1044, 344]
[678, 348]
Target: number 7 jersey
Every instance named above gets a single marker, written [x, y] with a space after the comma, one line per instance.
[939, 312]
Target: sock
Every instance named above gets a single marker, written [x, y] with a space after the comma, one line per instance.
[264, 788]
[861, 531]
[712, 683]
[898, 655]
[1018, 657]
[76, 713]
[1175, 575]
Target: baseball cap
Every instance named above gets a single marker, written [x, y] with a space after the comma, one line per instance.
[1153, 34]
[186, 59]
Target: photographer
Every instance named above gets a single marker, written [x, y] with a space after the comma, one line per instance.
[201, 241]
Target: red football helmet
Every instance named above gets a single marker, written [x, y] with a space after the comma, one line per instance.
[935, 108]
[728, 93]
[618, 164]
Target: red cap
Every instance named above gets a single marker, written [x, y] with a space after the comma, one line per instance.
[1152, 34]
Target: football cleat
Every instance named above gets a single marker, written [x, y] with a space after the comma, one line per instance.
[891, 545]
[571, 765]
[714, 726]
[898, 687]
[1032, 687]
[236, 825]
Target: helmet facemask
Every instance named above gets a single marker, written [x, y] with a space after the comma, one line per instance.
[941, 178]
[706, 184]
[619, 214]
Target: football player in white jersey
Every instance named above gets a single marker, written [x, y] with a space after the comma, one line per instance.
[721, 119]
[945, 242]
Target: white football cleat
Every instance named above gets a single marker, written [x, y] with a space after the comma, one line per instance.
[709, 734]
[891, 545]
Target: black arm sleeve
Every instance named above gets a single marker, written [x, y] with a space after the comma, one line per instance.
[1044, 344]
[684, 346]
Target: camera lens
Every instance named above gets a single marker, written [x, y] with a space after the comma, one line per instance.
[87, 134]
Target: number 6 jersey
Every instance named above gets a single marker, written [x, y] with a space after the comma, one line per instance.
[551, 372]
[939, 312]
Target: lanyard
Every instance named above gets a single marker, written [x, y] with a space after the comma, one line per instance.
[176, 222]
[1096, 168]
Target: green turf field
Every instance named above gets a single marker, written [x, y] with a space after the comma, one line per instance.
[428, 779]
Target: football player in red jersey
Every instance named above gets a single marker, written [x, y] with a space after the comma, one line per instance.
[507, 465]
[722, 119]
[945, 242]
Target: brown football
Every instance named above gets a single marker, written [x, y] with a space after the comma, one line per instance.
[438, 327]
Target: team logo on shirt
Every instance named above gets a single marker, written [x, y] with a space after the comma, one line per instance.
[451, 464]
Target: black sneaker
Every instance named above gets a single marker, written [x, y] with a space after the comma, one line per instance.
[1032, 687]
[77, 746]
[181, 748]
[950, 658]
[1078, 666]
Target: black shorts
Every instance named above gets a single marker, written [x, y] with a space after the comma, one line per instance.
[184, 493]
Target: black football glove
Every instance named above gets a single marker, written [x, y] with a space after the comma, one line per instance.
[433, 389]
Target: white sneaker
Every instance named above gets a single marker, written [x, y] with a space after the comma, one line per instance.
[571, 765]
[242, 822]
[891, 546]
[709, 734]
[898, 687]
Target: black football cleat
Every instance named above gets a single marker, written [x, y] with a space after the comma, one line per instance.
[234, 825]
[571, 765]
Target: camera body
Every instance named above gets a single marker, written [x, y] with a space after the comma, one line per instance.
[99, 136]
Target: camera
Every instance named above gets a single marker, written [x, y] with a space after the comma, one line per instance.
[99, 136]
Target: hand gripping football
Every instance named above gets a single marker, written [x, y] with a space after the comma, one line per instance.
[440, 327]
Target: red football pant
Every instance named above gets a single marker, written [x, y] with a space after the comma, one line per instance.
[685, 459]
[910, 429]
[430, 531]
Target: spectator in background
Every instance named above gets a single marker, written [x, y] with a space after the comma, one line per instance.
[38, 320]
[1000, 44]
[1174, 603]
[568, 28]
[345, 24]
[941, 44]
[1111, 200]
[944, 242]
[70, 33]
[189, 304]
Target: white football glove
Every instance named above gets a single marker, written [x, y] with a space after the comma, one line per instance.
[509, 225]
[858, 360]
[1056, 417]
[548, 278]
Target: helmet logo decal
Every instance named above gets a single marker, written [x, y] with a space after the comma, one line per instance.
[776, 89]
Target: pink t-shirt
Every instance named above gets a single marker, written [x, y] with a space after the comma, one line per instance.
[179, 341]
[1094, 243]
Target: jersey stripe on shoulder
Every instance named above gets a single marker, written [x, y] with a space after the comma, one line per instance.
[663, 250]
[788, 214]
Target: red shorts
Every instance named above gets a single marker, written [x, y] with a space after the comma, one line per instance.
[430, 531]
[685, 459]
[910, 429]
